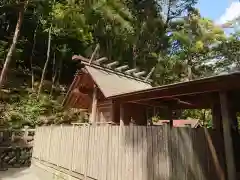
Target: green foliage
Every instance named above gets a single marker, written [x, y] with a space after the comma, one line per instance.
[203, 115]
[192, 45]
[168, 35]
[3, 48]
[229, 53]
[28, 110]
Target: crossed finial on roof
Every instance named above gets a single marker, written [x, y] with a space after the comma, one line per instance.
[113, 66]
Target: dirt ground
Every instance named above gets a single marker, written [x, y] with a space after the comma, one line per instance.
[18, 173]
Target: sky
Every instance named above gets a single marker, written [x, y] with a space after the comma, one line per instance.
[220, 11]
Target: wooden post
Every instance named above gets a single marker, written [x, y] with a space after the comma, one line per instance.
[233, 113]
[216, 116]
[169, 116]
[234, 123]
[115, 112]
[94, 105]
[25, 136]
[121, 115]
[228, 143]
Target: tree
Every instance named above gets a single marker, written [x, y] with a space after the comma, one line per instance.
[47, 60]
[22, 9]
[228, 53]
[193, 42]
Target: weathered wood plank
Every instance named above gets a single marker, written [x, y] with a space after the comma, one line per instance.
[135, 153]
[98, 154]
[113, 149]
[124, 155]
[75, 148]
[94, 149]
[140, 152]
[120, 159]
[105, 152]
[154, 152]
[131, 152]
[91, 152]
[86, 133]
[149, 153]
[84, 139]
[163, 155]
[128, 144]
[116, 152]
[144, 160]
[109, 154]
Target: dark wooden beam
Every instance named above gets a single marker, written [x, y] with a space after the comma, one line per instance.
[177, 103]
[203, 86]
[150, 104]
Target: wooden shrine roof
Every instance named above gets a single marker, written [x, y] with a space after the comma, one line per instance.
[112, 82]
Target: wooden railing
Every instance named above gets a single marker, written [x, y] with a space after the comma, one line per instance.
[15, 148]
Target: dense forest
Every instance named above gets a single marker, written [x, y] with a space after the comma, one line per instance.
[39, 37]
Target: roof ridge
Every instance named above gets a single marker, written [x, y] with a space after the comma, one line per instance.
[93, 64]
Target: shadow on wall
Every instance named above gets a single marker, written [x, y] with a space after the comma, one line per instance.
[174, 153]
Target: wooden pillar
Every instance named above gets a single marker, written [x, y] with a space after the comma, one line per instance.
[234, 123]
[94, 105]
[233, 112]
[228, 143]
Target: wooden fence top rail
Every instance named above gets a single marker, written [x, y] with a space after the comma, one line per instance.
[95, 123]
[15, 147]
[17, 130]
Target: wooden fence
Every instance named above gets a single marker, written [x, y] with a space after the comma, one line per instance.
[15, 148]
[132, 152]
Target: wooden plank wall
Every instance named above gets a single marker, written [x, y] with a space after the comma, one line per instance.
[132, 152]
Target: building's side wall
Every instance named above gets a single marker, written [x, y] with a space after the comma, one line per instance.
[134, 113]
[138, 113]
[104, 111]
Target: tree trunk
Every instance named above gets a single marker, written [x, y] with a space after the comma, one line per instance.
[46, 63]
[59, 72]
[134, 56]
[13, 45]
[32, 54]
[54, 75]
[189, 71]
